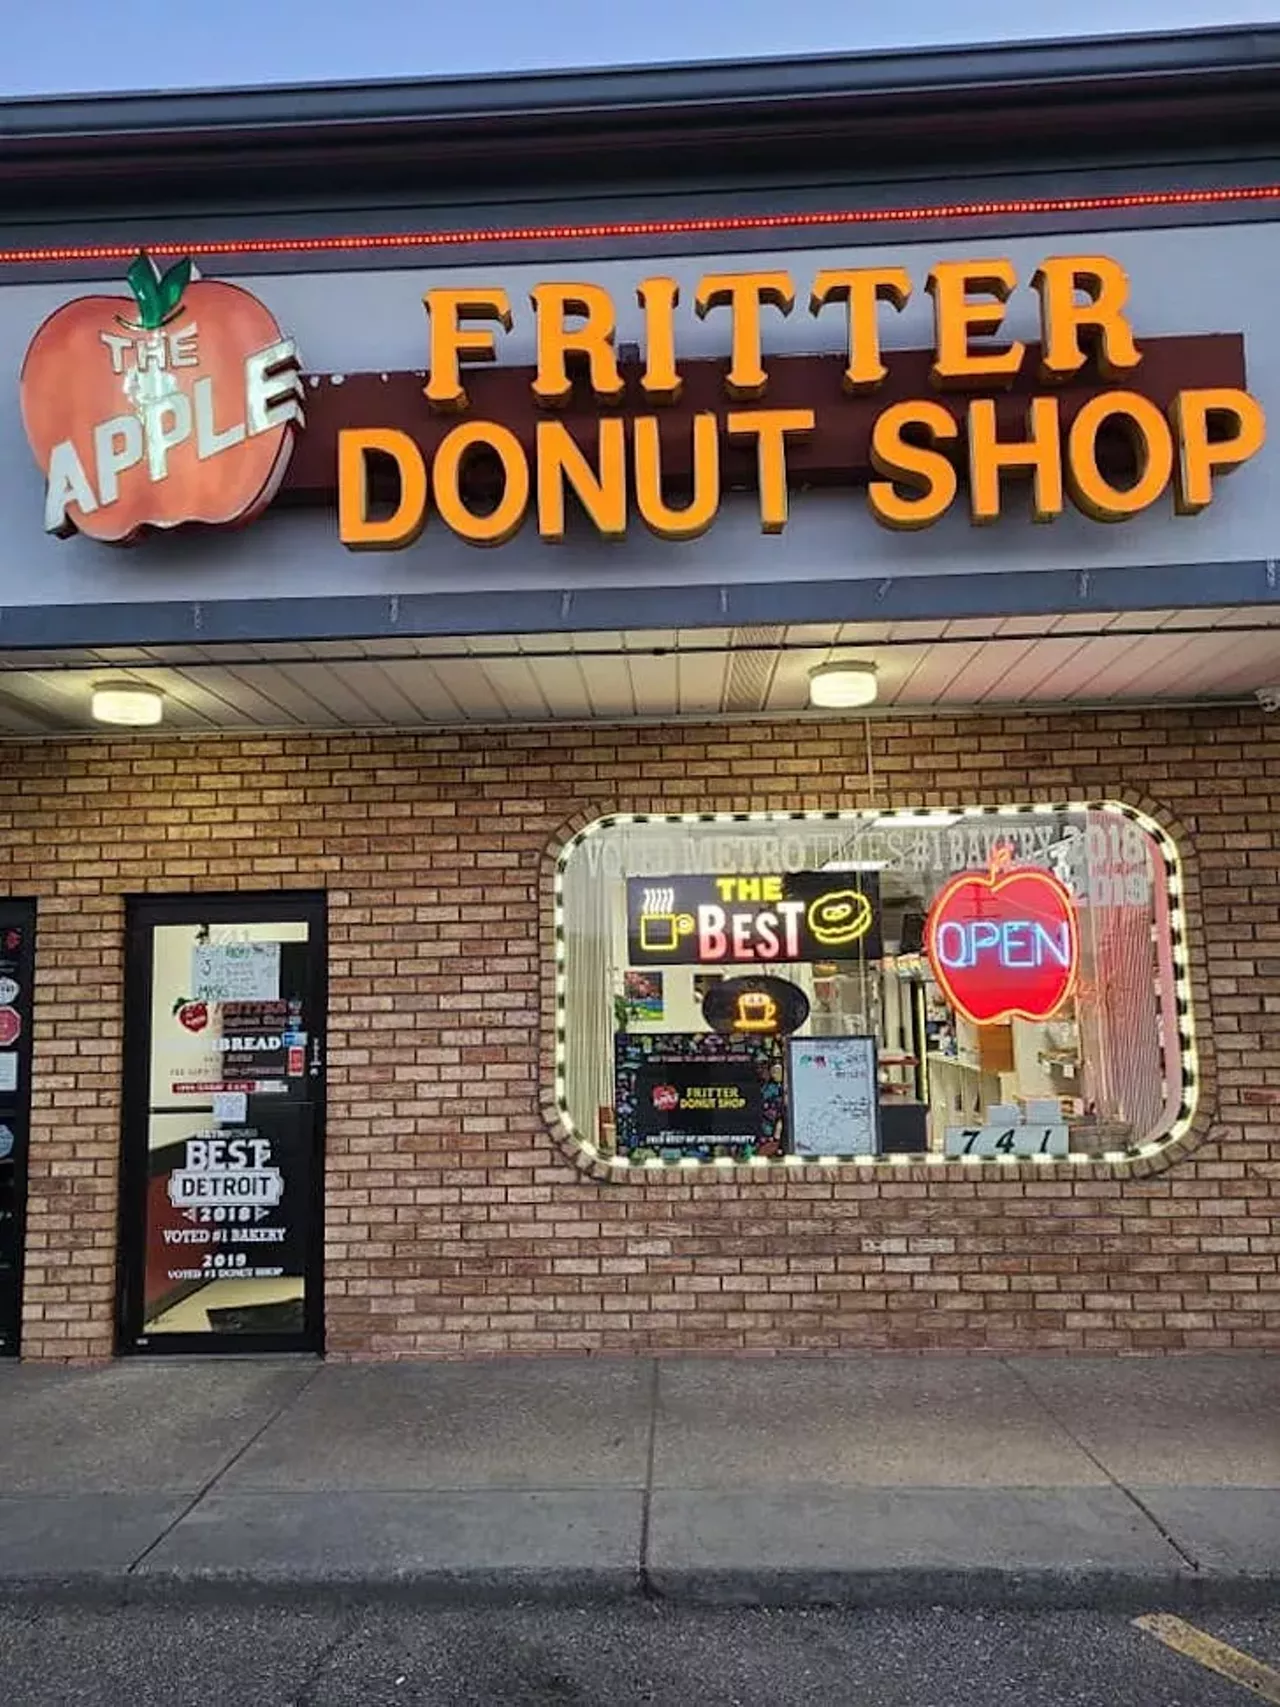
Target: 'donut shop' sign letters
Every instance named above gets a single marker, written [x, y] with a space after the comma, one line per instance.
[921, 446]
[752, 921]
[181, 404]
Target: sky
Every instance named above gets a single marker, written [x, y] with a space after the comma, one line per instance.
[87, 45]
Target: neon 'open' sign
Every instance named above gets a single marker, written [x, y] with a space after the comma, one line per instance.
[1004, 942]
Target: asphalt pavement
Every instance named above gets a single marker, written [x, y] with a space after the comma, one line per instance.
[580, 1656]
[899, 1483]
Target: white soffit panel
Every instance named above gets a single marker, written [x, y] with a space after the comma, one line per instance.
[1093, 658]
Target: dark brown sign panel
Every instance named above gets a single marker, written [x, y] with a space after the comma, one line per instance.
[837, 452]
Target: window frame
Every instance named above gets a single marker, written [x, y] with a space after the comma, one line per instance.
[1188, 1050]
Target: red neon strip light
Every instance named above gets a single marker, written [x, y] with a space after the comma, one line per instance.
[651, 227]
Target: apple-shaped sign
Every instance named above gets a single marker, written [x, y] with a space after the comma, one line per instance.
[177, 404]
[1004, 943]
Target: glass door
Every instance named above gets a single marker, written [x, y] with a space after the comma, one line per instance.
[222, 1176]
[17, 956]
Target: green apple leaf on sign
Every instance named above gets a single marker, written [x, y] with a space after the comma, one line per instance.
[158, 295]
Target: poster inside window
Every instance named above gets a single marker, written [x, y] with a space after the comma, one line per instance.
[972, 983]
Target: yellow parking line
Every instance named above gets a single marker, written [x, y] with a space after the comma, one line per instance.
[1262, 1682]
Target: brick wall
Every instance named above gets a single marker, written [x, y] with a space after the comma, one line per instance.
[457, 1227]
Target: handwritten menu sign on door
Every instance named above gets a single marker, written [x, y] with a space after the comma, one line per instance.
[236, 972]
[833, 1096]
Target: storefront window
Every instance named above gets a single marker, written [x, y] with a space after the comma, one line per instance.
[985, 984]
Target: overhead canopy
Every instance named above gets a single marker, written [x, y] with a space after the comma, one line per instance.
[799, 170]
[1110, 658]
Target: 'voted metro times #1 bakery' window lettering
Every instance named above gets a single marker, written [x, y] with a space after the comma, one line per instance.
[994, 984]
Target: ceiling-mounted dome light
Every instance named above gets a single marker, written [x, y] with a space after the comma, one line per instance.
[129, 705]
[837, 687]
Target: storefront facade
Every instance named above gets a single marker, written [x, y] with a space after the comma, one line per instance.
[498, 946]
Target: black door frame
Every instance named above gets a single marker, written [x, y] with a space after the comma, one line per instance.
[22, 911]
[244, 907]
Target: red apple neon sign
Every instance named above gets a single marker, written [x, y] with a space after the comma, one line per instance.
[1004, 943]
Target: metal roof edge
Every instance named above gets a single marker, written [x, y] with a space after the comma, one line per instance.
[550, 95]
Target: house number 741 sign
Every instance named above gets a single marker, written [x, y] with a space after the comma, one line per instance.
[1022, 1140]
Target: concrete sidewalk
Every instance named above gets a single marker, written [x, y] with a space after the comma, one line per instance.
[854, 1480]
